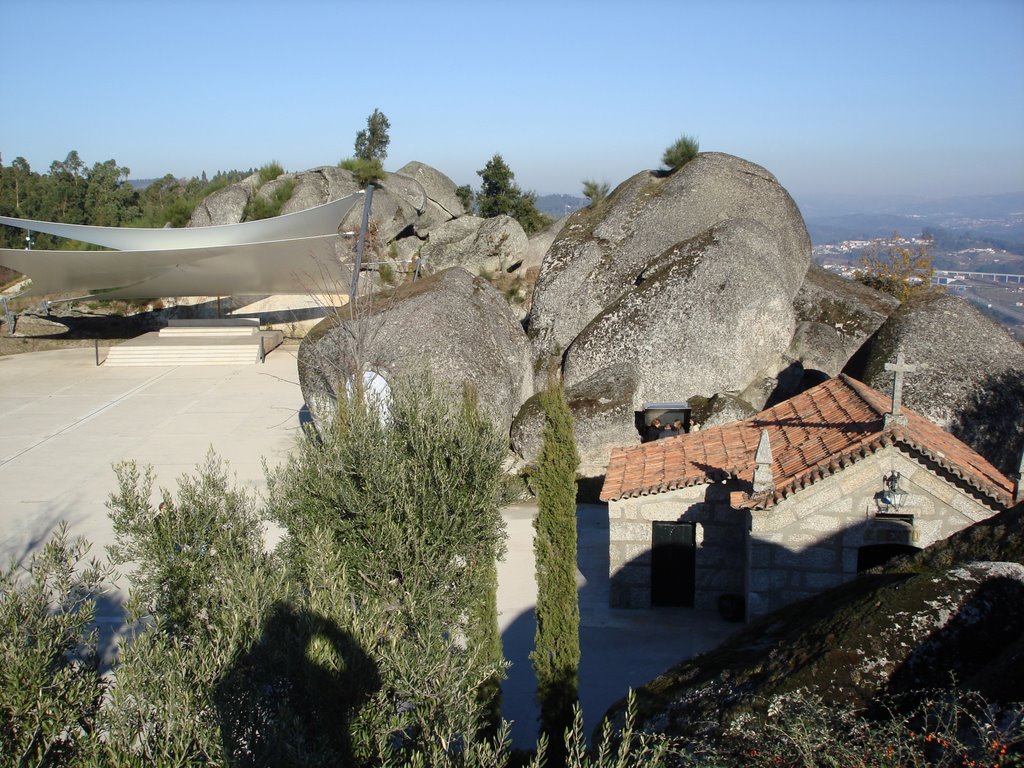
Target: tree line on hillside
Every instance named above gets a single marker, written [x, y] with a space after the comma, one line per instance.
[71, 192]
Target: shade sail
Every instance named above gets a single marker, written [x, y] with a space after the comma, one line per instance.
[301, 265]
[320, 220]
[296, 253]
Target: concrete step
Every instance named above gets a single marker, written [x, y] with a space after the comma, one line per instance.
[173, 332]
[156, 349]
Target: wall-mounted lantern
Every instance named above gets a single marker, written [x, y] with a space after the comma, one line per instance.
[893, 497]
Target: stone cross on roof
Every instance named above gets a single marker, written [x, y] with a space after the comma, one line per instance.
[899, 368]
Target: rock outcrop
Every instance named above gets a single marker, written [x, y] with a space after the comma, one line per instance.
[969, 378]
[603, 250]
[415, 199]
[879, 637]
[493, 245]
[227, 205]
[453, 324]
[318, 186]
[603, 418]
[835, 316]
[437, 188]
[708, 315]
[540, 244]
[683, 283]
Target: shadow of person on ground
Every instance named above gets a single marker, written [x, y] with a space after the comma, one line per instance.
[294, 691]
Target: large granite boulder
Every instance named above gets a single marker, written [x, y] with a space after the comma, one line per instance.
[415, 199]
[539, 244]
[722, 408]
[320, 185]
[227, 205]
[438, 188]
[835, 316]
[603, 249]
[710, 314]
[493, 244]
[969, 378]
[603, 418]
[453, 324]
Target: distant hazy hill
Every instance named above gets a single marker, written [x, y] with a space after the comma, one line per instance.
[559, 205]
[831, 219]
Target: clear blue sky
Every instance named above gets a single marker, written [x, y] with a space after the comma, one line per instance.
[833, 97]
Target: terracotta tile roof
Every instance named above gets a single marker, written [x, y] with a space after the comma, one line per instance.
[812, 436]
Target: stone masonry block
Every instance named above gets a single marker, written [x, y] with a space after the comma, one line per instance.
[760, 557]
[630, 531]
[772, 519]
[928, 483]
[760, 579]
[968, 506]
[825, 524]
[813, 558]
[864, 473]
[630, 574]
[633, 551]
[849, 560]
[640, 597]
[821, 493]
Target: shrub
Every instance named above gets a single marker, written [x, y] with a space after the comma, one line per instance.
[595, 191]
[943, 728]
[414, 521]
[180, 548]
[682, 151]
[270, 171]
[261, 207]
[897, 268]
[386, 273]
[365, 171]
[50, 687]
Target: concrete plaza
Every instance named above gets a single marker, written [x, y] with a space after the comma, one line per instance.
[64, 422]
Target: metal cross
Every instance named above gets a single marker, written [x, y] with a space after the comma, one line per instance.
[899, 368]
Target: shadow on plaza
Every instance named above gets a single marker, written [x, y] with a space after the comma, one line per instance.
[100, 321]
[619, 648]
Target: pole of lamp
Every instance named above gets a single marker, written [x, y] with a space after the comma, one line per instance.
[361, 244]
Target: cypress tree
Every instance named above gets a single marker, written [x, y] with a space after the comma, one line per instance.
[556, 654]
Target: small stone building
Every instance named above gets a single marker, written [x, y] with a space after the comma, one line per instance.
[750, 516]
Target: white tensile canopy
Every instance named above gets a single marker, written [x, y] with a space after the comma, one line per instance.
[296, 253]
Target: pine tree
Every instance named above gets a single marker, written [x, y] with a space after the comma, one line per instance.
[372, 143]
[556, 654]
[499, 194]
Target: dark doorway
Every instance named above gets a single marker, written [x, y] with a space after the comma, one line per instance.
[874, 555]
[673, 564]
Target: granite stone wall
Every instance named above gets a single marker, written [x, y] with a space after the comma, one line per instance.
[720, 531]
[810, 541]
[805, 544]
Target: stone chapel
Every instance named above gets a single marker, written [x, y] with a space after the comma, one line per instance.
[750, 516]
